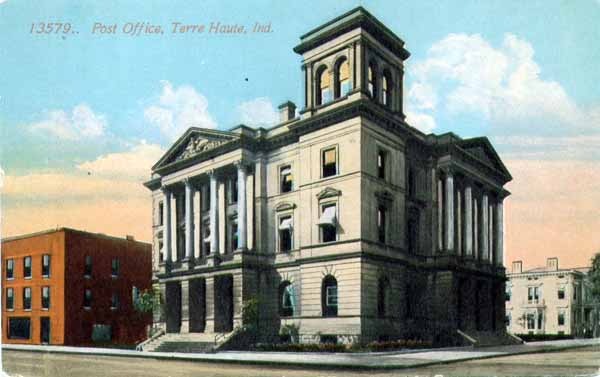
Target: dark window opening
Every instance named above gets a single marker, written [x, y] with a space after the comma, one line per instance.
[285, 233]
[115, 267]
[19, 328]
[87, 298]
[286, 179]
[287, 299]
[27, 267]
[45, 265]
[161, 213]
[329, 162]
[381, 162]
[329, 297]
[45, 297]
[10, 299]
[88, 266]
[381, 223]
[27, 298]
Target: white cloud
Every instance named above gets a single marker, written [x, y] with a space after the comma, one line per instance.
[177, 109]
[81, 123]
[258, 112]
[503, 85]
[421, 121]
[133, 164]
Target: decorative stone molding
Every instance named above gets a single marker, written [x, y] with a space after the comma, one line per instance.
[284, 206]
[198, 145]
[328, 192]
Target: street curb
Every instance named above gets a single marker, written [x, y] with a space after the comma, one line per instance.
[283, 363]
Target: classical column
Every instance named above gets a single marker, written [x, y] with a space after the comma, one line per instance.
[167, 224]
[440, 212]
[214, 215]
[189, 220]
[242, 208]
[459, 223]
[499, 233]
[449, 211]
[491, 237]
[484, 228]
[468, 220]
[476, 253]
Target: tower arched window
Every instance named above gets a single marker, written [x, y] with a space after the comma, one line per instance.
[342, 78]
[329, 297]
[386, 87]
[372, 80]
[324, 93]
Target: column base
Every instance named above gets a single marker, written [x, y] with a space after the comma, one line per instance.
[213, 260]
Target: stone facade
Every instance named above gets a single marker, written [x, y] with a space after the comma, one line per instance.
[344, 222]
[550, 300]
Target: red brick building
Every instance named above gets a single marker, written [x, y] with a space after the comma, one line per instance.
[71, 287]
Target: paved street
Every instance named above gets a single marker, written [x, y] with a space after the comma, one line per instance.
[575, 362]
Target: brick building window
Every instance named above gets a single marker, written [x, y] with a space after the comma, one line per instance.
[87, 298]
[88, 266]
[115, 267]
[45, 265]
[10, 269]
[27, 298]
[45, 297]
[10, 299]
[27, 267]
[114, 302]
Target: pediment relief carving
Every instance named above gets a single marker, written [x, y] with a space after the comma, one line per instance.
[328, 192]
[198, 144]
[284, 206]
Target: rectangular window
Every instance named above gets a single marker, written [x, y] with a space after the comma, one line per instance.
[328, 223]
[533, 295]
[286, 179]
[381, 162]
[530, 321]
[10, 299]
[27, 298]
[88, 266]
[381, 223]
[561, 318]
[114, 302]
[115, 267]
[507, 319]
[540, 320]
[19, 328]
[329, 162]
[45, 297]
[45, 265]
[206, 237]
[27, 267]
[161, 213]
[561, 293]
[575, 293]
[10, 269]
[285, 233]
[507, 293]
[87, 298]
[161, 254]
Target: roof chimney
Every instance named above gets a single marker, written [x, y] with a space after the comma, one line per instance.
[552, 264]
[287, 111]
[129, 237]
[517, 267]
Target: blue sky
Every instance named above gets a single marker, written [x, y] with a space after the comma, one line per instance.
[523, 73]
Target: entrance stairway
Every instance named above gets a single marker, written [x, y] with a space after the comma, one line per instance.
[185, 343]
[489, 338]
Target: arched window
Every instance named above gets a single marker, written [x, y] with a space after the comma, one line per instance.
[323, 86]
[287, 299]
[386, 87]
[372, 80]
[383, 297]
[342, 78]
[329, 297]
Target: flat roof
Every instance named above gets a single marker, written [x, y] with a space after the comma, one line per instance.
[70, 230]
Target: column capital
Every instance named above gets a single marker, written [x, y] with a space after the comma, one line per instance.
[165, 189]
[448, 170]
[211, 172]
[241, 164]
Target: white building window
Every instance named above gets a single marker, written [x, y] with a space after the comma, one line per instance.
[329, 166]
[328, 222]
[285, 233]
[285, 179]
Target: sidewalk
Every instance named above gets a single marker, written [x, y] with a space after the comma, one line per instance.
[382, 360]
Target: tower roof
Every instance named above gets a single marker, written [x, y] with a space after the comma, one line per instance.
[358, 17]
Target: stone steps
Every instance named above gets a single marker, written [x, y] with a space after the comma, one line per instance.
[185, 343]
[492, 338]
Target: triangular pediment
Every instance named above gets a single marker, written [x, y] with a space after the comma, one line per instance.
[194, 142]
[328, 192]
[482, 150]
